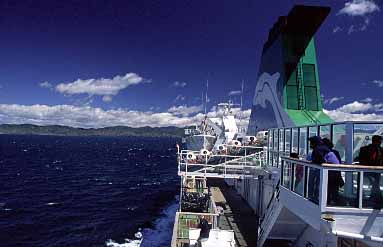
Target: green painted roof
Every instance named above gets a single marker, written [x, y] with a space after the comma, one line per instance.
[304, 117]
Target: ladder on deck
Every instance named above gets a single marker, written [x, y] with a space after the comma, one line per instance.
[301, 95]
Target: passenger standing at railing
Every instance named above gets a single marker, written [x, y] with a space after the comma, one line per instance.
[320, 154]
[335, 180]
[319, 150]
[298, 184]
[372, 155]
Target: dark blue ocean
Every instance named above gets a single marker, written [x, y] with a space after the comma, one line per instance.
[85, 191]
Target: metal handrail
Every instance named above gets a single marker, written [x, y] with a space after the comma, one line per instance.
[323, 170]
[339, 167]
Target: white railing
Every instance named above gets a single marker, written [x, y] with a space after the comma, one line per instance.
[231, 162]
[348, 137]
[181, 225]
[339, 187]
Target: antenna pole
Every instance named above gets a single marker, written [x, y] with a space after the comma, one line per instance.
[207, 88]
[242, 93]
[240, 115]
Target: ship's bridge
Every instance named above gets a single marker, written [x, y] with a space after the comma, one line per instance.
[309, 197]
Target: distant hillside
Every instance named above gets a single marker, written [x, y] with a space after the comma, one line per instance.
[30, 129]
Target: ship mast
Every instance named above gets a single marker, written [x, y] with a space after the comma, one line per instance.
[204, 126]
[240, 114]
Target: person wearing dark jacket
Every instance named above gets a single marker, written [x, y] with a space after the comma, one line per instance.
[335, 180]
[372, 155]
[205, 229]
[319, 150]
[317, 157]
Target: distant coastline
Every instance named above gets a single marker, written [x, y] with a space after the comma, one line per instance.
[59, 130]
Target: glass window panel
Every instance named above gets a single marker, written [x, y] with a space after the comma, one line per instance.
[309, 74]
[313, 182]
[275, 140]
[292, 97]
[303, 142]
[298, 179]
[334, 186]
[313, 131]
[346, 195]
[362, 136]
[276, 160]
[286, 174]
[324, 131]
[311, 97]
[287, 141]
[294, 140]
[339, 139]
[281, 140]
[373, 190]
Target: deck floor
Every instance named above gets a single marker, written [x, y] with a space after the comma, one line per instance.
[238, 215]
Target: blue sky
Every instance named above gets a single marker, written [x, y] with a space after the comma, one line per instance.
[136, 63]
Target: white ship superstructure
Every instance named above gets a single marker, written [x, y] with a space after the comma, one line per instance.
[213, 131]
[271, 199]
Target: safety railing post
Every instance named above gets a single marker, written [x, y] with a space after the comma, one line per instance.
[360, 194]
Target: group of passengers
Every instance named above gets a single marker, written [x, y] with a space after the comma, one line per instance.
[323, 152]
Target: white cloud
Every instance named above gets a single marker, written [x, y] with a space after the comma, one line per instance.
[100, 86]
[359, 27]
[332, 100]
[357, 111]
[107, 98]
[367, 100]
[365, 25]
[356, 107]
[345, 116]
[179, 97]
[184, 110]
[359, 8]
[337, 29]
[351, 29]
[45, 84]
[90, 117]
[379, 83]
[179, 84]
[232, 93]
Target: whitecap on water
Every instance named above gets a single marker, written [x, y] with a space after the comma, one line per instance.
[161, 234]
[128, 243]
[132, 208]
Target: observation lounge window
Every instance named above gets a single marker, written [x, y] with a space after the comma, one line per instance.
[311, 94]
